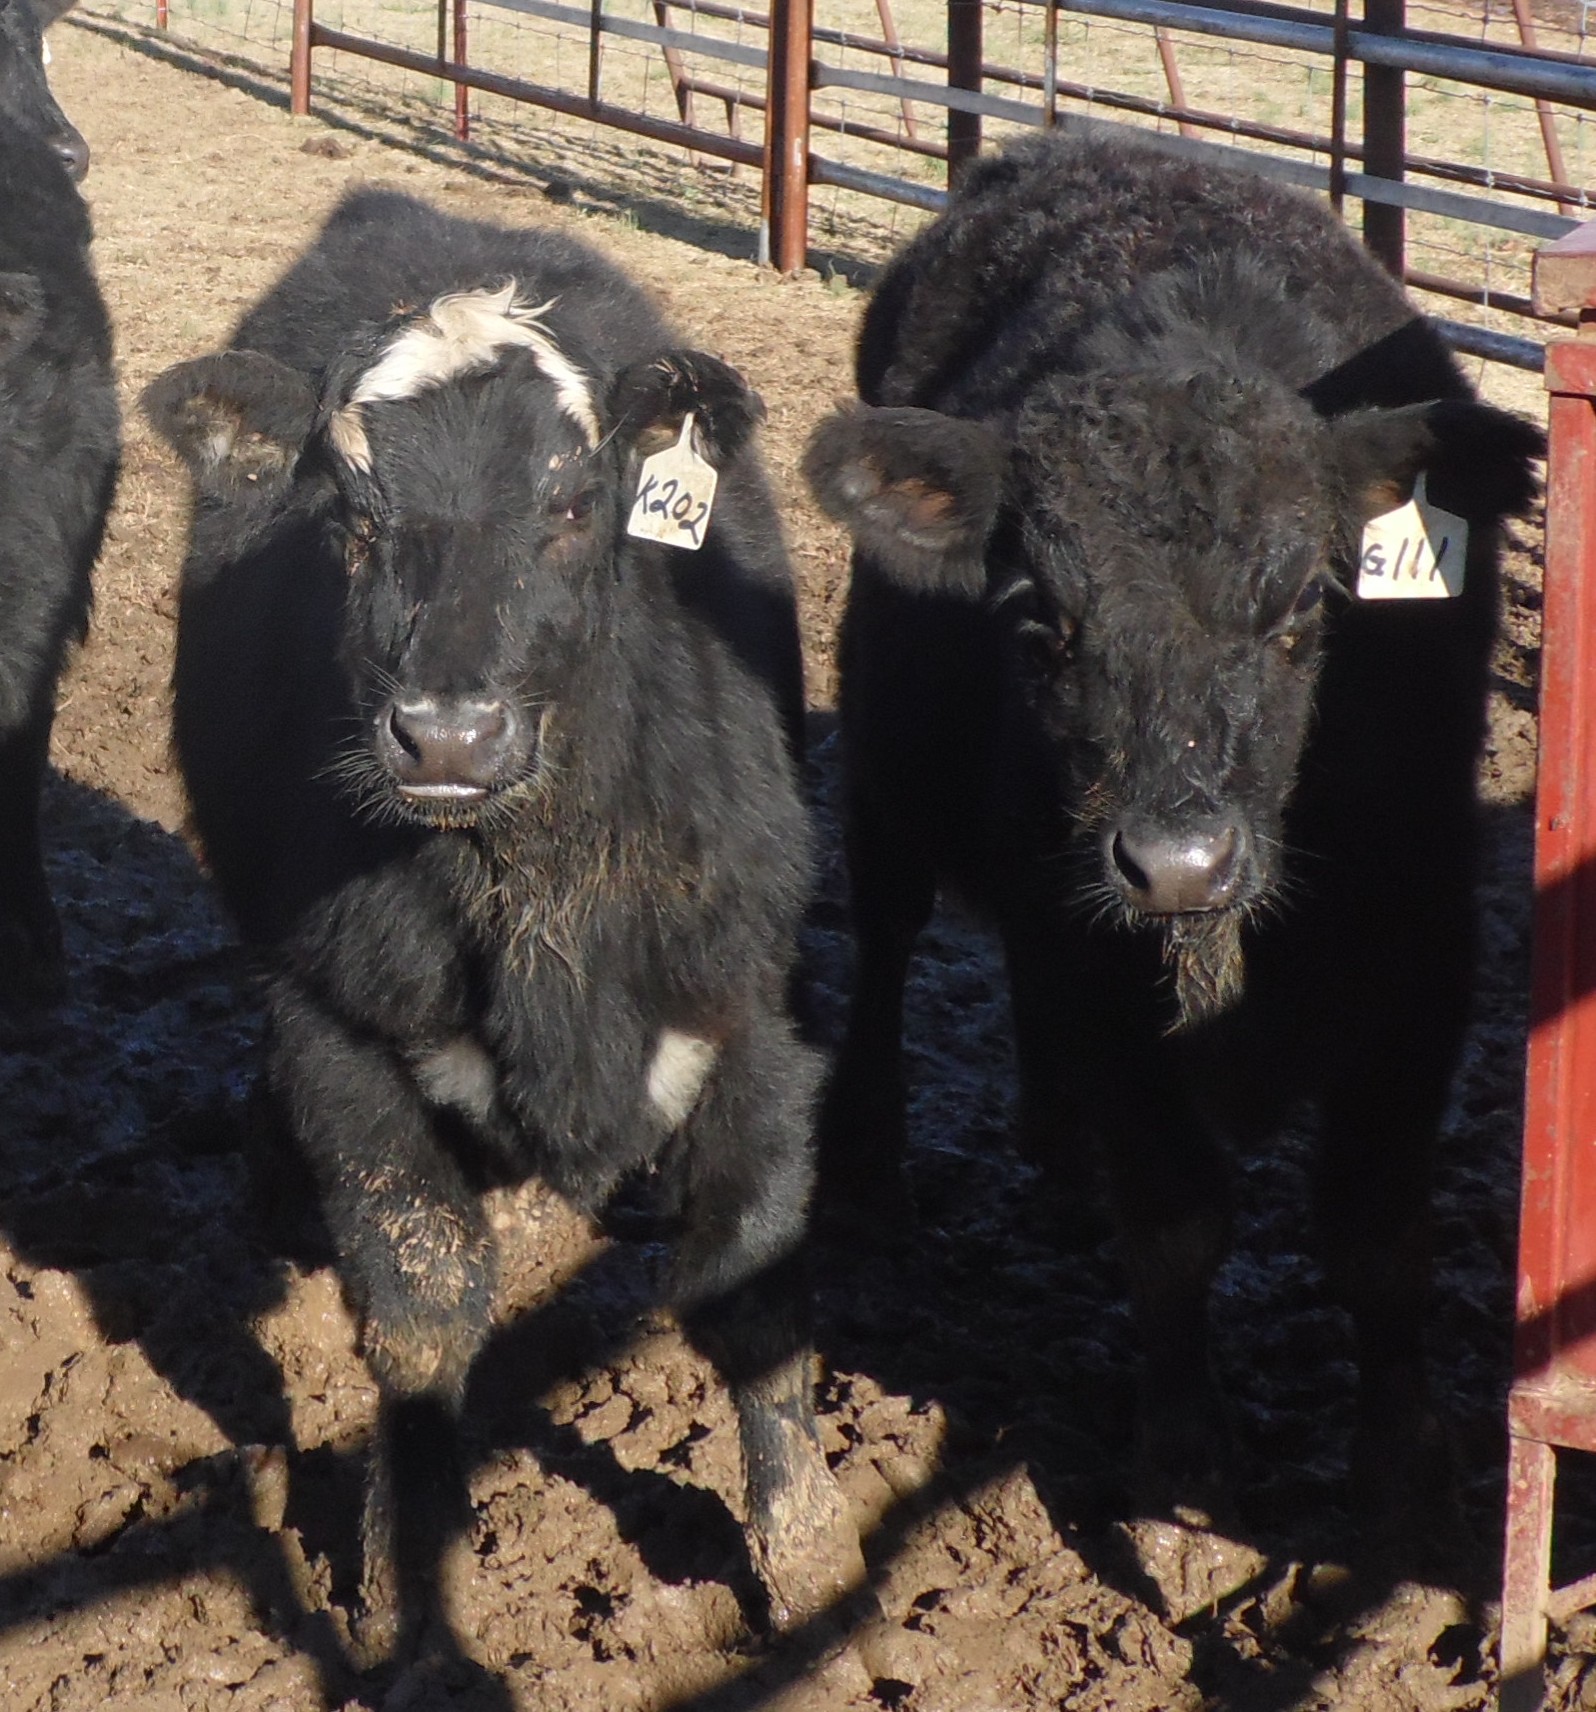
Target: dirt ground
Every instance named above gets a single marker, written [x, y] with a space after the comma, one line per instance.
[182, 1411]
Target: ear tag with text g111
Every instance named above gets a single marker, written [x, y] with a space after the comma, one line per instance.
[674, 493]
[1416, 552]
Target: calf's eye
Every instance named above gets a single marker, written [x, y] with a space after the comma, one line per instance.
[1309, 600]
[576, 510]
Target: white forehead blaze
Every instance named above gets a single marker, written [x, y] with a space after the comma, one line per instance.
[461, 332]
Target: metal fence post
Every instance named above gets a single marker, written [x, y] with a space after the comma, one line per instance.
[784, 242]
[964, 72]
[299, 60]
[1384, 136]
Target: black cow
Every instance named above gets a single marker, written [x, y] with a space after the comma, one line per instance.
[505, 798]
[26, 103]
[59, 443]
[1103, 671]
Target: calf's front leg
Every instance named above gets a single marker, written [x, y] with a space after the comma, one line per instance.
[739, 1283]
[416, 1260]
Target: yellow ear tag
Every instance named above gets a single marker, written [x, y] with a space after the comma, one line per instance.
[1416, 552]
[674, 494]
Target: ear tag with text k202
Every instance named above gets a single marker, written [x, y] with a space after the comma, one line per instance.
[674, 494]
[1416, 552]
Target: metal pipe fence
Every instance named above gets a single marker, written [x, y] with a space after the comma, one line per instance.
[1459, 133]
[1463, 151]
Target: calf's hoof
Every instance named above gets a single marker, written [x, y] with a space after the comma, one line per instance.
[1404, 1491]
[1185, 1460]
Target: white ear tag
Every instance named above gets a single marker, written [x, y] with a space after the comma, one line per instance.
[46, 46]
[674, 494]
[1416, 552]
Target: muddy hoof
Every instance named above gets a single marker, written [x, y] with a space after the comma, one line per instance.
[1404, 1490]
[1185, 1464]
[806, 1548]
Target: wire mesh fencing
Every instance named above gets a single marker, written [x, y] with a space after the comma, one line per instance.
[1459, 136]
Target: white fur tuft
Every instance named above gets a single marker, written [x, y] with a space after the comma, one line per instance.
[676, 1077]
[461, 332]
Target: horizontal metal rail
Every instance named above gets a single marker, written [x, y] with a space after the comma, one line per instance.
[1519, 71]
[1424, 199]
[689, 41]
[541, 95]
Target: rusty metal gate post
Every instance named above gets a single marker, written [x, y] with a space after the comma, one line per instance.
[784, 236]
[964, 72]
[1384, 136]
[299, 60]
[1553, 1400]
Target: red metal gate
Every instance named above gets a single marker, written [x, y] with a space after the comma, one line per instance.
[1553, 1400]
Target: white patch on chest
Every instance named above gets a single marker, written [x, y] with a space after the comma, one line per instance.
[460, 1075]
[676, 1077]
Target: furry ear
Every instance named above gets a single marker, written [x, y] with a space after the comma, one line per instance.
[918, 490]
[648, 401]
[232, 418]
[21, 313]
[47, 11]
[1477, 458]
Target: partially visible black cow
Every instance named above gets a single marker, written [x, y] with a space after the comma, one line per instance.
[59, 442]
[504, 796]
[1103, 670]
[26, 104]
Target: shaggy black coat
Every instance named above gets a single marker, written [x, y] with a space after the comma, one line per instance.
[59, 446]
[551, 933]
[1102, 670]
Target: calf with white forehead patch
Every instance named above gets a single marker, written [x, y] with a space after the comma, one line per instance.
[1107, 670]
[60, 439]
[505, 796]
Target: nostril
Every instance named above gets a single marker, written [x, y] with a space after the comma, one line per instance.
[404, 741]
[1220, 861]
[491, 726]
[74, 153]
[1133, 873]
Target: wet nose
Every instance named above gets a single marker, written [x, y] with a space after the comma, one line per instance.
[1175, 873]
[459, 747]
[74, 153]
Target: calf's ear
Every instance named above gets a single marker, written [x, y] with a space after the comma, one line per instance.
[47, 11]
[1477, 459]
[648, 402]
[918, 490]
[21, 312]
[235, 417]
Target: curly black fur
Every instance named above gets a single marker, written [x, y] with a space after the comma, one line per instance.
[1222, 814]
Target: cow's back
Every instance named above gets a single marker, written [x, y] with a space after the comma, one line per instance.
[1041, 243]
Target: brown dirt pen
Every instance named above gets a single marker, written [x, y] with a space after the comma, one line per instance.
[181, 1408]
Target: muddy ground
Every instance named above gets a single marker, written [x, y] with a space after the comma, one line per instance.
[182, 1411]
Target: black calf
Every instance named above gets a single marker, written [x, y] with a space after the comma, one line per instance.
[59, 444]
[1103, 669]
[503, 794]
